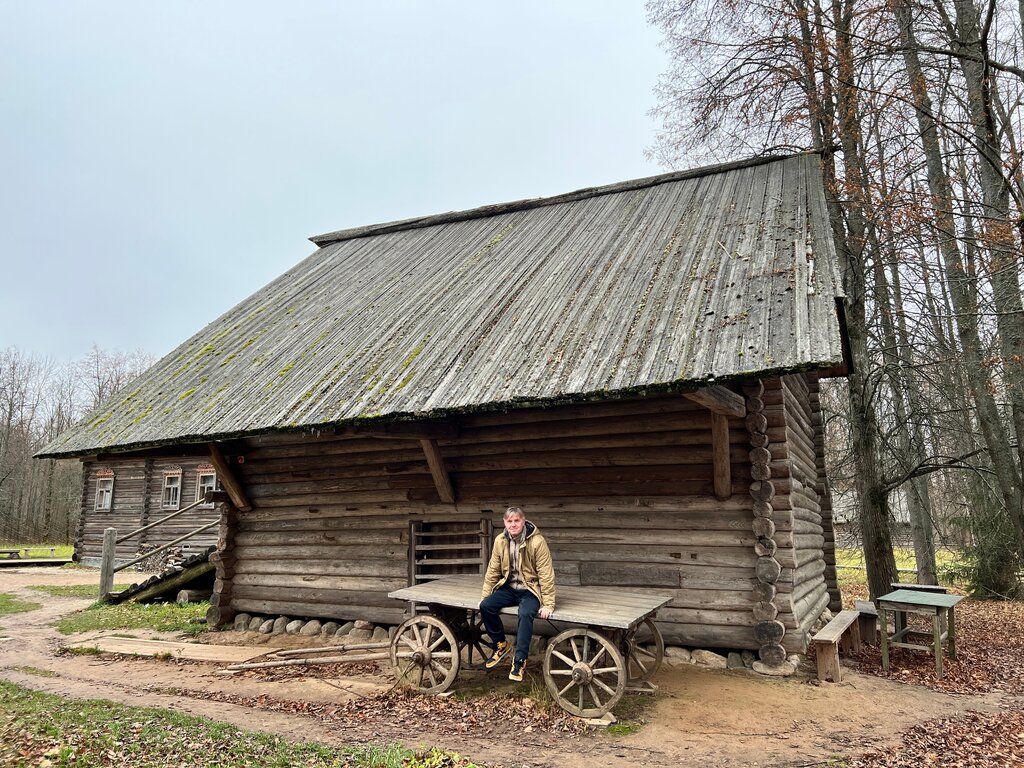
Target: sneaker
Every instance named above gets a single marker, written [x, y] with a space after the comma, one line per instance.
[516, 673]
[501, 650]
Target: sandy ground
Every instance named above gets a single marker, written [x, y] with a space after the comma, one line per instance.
[698, 717]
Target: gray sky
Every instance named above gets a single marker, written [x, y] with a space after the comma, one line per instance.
[160, 161]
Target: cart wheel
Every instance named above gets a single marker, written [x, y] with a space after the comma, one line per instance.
[585, 672]
[424, 654]
[643, 660]
[477, 644]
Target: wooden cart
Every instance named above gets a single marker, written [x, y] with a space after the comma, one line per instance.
[614, 642]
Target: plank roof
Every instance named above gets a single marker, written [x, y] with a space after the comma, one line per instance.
[666, 282]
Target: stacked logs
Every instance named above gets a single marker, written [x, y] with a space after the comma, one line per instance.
[220, 611]
[768, 630]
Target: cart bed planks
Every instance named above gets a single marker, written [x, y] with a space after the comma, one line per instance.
[597, 606]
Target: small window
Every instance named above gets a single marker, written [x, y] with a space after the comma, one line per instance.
[207, 481]
[172, 491]
[104, 492]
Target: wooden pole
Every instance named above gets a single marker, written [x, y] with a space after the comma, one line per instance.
[334, 649]
[720, 453]
[107, 562]
[438, 471]
[360, 658]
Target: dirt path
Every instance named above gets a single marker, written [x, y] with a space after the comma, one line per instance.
[698, 718]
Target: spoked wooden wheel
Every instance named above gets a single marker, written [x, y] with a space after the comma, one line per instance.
[585, 672]
[425, 654]
[476, 642]
[645, 650]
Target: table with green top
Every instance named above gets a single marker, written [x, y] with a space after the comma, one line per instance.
[906, 601]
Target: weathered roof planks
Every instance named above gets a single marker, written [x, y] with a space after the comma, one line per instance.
[672, 281]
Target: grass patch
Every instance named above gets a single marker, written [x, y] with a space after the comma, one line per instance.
[73, 590]
[37, 671]
[624, 729]
[631, 714]
[10, 604]
[432, 758]
[40, 551]
[162, 617]
[854, 556]
[43, 729]
[81, 650]
[850, 562]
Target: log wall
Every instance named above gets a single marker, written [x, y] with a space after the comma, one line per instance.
[137, 501]
[623, 492]
[802, 587]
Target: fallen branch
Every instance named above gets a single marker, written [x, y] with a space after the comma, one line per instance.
[309, 662]
[332, 649]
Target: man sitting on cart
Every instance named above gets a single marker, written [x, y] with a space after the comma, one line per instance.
[518, 573]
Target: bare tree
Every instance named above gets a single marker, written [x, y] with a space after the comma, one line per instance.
[915, 110]
[40, 500]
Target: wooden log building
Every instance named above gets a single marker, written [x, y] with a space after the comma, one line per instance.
[635, 365]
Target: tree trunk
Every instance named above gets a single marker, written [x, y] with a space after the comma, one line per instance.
[962, 285]
[908, 451]
[997, 230]
[919, 495]
[874, 516]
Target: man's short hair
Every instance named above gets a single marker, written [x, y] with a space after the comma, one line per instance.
[512, 511]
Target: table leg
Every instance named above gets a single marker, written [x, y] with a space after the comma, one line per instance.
[951, 633]
[883, 615]
[937, 641]
[900, 620]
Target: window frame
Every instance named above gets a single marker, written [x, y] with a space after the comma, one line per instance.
[200, 474]
[167, 486]
[104, 493]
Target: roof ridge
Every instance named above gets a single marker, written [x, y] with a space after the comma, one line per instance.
[539, 202]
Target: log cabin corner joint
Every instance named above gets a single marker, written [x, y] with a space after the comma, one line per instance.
[768, 630]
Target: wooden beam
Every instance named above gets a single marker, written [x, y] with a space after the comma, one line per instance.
[227, 478]
[438, 470]
[720, 456]
[172, 584]
[720, 400]
[400, 431]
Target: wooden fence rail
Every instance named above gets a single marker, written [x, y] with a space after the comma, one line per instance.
[111, 540]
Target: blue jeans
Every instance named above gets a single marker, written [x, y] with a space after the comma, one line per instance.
[505, 597]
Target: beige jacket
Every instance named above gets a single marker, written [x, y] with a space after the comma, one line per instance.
[534, 563]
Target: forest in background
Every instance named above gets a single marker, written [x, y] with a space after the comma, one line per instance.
[915, 108]
[40, 500]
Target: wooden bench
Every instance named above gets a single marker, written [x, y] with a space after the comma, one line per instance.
[842, 630]
[51, 550]
[11, 554]
[868, 621]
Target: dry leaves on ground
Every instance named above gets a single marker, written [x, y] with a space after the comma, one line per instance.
[491, 714]
[990, 659]
[972, 740]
